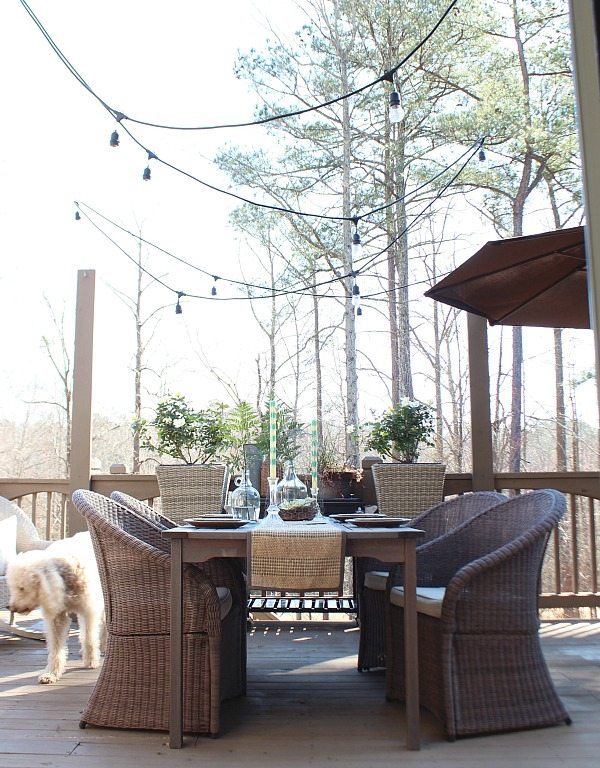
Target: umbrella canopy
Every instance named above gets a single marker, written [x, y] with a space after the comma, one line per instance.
[538, 280]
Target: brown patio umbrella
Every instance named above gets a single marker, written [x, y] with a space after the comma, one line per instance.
[538, 280]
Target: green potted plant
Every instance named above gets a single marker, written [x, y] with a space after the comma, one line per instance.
[196, 439]
[401, 431]
[187, 435]
[243, 427]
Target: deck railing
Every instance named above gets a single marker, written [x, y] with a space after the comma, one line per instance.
[570, 574]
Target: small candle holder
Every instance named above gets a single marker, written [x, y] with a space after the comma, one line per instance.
[314, 492]
[272, 517]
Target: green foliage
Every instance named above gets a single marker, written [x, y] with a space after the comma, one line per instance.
[193, 437]
[401, 431]
[288, 430]
[243, 427]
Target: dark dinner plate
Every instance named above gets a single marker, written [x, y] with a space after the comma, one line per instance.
[368, 521]
[342, 517]
[217, 522]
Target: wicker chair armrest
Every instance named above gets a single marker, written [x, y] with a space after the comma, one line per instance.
[137, 597]
[497, 592]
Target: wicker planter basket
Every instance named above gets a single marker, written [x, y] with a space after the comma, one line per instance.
[297, 514]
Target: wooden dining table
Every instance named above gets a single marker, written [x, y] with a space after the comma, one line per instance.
[197, 545]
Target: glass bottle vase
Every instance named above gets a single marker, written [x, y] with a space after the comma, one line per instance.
[245, 500]
[290, 487]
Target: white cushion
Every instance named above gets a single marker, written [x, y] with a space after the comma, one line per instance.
[376, 580]
[429, 599]
[8, 541]
[225, 600]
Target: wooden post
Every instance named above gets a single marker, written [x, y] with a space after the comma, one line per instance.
[585, 30]
[81, 424]
[479, 382]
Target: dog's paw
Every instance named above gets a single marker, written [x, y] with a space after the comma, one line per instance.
[47, 678]
[92, 663]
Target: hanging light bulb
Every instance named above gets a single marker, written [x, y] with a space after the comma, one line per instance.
[114, 139]
[357, 249]
[358, 311]
[178, 308]
[146, 175]
[213, 291]
[481, 156]
[77, 215]
[396, 112]
[355, 293]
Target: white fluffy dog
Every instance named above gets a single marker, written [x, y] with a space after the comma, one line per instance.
[61, 580]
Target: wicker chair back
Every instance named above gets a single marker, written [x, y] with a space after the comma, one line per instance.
[405, 490]
[189, 490]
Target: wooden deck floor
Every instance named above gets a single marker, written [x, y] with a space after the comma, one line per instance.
[306, 706]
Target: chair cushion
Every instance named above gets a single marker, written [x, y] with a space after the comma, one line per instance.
[8, 541]
[376, 580]
[225, 600]
[429, 599]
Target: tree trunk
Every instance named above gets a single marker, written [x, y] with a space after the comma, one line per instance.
[318, 371]
[138, 366]
[561, 419]
[352, 449]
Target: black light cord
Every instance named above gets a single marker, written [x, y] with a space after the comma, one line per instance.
[181, 294]
[472, 150]
[120, 116]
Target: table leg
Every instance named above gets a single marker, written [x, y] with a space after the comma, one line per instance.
[411, 658]
[176, 703]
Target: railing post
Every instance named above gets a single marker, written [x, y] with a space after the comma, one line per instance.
[81, 422]
[479, 382]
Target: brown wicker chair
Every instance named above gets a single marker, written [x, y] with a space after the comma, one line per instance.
[402, 490]
[481, 667]
[189, 490]
[141, 508]
[224, 571]
[132, 690]
[405, 490]
[373, 576]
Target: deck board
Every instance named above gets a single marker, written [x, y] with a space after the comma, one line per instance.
[306, 706]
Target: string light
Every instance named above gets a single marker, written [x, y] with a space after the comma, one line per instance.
[178, 309]
[466, 157]
[370, 263]
[481, 156]
[358, 311]
[357, 249]
[147, 175]
[120, 116]
[77, 215]
[213, 291]
[246, 296]
[396, 113]
[114, 139]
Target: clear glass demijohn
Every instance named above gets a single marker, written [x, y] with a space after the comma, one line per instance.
[245, 500]
[290, 487]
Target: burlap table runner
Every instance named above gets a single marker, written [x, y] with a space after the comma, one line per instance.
[299, 557]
